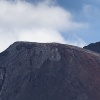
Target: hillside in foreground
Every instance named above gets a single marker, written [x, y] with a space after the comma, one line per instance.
[52, 71]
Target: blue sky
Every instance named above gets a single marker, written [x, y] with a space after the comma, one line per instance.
[91, 15]
[74, 22]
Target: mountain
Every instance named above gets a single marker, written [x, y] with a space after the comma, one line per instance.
[49, 71]
[94, 47]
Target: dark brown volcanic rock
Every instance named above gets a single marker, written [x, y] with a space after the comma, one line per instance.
[94, 47]
[37, 71]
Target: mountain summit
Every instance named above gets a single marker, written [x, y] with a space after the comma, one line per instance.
[49, 71]
[93, 47]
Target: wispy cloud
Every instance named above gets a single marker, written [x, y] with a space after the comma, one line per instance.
[89, 10]
[41, 22]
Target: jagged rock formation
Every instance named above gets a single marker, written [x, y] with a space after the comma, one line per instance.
[94, 47]
[38, 71]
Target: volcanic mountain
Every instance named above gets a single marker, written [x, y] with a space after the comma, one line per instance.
[49, 71]
[94, 47]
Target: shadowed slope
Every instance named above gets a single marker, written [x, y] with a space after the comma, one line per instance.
[39, 71]
[93, 47]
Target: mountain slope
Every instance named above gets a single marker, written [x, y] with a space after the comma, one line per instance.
[93, 47]
[39, 71]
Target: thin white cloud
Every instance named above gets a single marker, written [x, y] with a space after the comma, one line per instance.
[91, 10]
[77, 41]
[42, 35]
[41, 22]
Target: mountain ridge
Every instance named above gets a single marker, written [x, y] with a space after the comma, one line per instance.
[93, 47]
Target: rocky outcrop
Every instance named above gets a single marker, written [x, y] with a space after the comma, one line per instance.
[39, 71]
